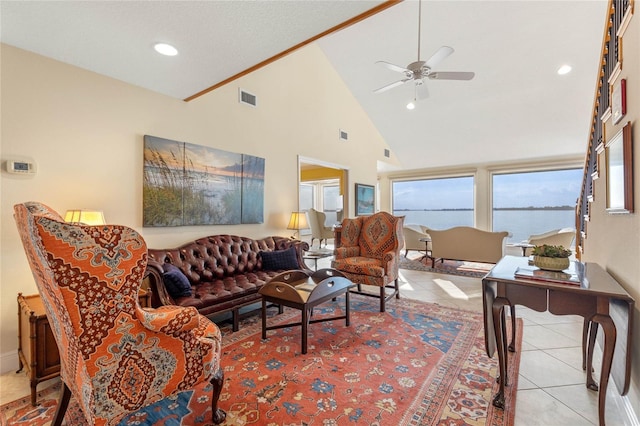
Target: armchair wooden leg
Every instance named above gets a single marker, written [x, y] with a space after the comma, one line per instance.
[397, 289]
[383, 298]
[217, 381]
[63, 403]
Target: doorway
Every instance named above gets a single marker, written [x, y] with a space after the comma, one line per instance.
[322, 186]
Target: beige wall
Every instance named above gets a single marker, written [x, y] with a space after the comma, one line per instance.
[85, 132]
[613, 241]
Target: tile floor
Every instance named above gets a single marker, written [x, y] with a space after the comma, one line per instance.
[551, 388]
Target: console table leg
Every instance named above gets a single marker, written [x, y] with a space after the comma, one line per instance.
[609, 329]
[512, 345]
[593, 331]
[498, 327]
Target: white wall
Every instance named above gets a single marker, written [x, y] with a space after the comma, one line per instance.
[85, 132]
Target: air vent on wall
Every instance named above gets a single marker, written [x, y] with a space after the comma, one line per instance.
[248, 98]
[387, 153]
[343, 135]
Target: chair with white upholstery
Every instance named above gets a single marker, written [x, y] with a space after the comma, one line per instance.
[412, 235]
[558, 237]
[316, 221]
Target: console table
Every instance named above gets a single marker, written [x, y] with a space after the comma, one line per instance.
[599, 299]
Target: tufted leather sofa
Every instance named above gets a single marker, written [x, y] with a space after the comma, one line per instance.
[225, 272]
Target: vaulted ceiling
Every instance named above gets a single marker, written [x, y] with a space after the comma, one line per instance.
[517, 108]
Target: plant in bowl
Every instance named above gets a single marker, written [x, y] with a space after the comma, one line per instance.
[552, 258]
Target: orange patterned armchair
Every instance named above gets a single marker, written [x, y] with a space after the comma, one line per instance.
[115, 357]
[368, 252]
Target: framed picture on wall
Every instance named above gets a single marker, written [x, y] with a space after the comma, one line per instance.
[365, 199]
[619, 158]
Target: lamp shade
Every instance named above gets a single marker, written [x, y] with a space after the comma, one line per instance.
[298, 221]
[85, 217]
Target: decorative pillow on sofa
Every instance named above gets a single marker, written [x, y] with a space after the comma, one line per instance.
[175, 281]
[279, 259]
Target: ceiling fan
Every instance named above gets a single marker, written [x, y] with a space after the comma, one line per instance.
[419, 70]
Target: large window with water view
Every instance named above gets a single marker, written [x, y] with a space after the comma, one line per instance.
[535, 202]
[437, 203]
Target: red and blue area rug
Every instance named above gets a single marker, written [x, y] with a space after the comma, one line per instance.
[416, 364]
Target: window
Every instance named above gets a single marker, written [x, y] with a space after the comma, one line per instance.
[437, 203]
[321, 195]
[535, 202]
[306, 197]
[331, 202]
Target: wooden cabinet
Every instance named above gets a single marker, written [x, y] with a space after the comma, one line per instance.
[37, 349]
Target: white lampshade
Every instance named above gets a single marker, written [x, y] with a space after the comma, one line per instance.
[85, 217]
[298, 221]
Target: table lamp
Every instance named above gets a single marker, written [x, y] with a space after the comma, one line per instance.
[297, 222]
[85, 217]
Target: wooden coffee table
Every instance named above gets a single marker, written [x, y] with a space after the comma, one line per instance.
[304, 290]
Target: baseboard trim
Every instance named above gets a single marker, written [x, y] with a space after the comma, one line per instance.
[9, 361]
[623, 405]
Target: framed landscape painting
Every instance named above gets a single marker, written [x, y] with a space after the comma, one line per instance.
[365, 199]
[187, 184]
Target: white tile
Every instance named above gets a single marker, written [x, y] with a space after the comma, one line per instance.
[579, 398]
[572, 330]
[524, 383]
[544, 370]
[570, 356]
[544, 338]
[535, 407]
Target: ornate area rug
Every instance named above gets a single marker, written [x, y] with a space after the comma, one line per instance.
[416, 364]
[451, 267]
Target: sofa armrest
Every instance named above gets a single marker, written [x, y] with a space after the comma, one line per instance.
[159, 294]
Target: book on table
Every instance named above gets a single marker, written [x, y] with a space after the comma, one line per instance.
[571, 275]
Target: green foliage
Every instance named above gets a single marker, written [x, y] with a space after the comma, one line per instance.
[551, 251]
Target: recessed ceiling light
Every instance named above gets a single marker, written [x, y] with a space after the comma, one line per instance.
[411, 105]
[165, 49]
[565, 69]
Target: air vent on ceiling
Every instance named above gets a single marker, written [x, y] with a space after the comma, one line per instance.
[248, 98]
[343, 135]
[387, 153]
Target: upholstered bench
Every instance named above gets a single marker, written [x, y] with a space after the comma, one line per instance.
[220, 273]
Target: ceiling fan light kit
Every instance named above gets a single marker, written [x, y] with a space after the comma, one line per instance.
[419, 70]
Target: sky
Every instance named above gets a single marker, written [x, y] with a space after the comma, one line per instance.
[532, 189]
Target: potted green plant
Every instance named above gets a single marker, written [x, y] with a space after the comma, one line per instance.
[552, 258]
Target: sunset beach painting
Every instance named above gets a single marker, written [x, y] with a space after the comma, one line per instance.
[189, 184]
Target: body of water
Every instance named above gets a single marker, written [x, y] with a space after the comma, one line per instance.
[520, 223]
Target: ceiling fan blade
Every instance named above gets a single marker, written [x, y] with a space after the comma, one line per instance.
[391, 86]
[422, 92]
[393, 67]
[440, 55]
[451, 75]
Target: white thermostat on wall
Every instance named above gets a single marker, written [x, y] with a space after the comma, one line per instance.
[21, 167]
